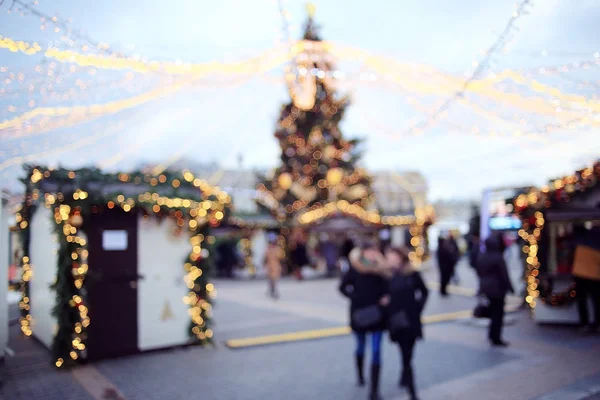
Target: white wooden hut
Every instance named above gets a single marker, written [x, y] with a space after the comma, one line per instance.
[117, 264]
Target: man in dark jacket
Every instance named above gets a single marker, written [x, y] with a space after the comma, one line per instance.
[494, 283]
[474, 247]
[445, 261]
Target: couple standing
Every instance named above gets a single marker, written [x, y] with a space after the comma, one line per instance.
[385, 294]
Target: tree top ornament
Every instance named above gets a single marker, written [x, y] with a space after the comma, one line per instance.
[311, 9]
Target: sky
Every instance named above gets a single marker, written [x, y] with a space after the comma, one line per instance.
[215, 120]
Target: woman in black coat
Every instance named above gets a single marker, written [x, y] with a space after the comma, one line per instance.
[406, 300]
[494, 283]
[364, 285]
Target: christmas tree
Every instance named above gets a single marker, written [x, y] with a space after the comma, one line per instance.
[318, 165]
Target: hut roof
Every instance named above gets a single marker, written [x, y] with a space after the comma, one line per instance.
[171, 189]
[559, 191]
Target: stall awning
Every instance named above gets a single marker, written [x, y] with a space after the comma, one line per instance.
[343, 224]
[573, 214]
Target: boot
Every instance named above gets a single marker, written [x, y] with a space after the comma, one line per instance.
[402, 382]
[359, 370]
[374, 394]
[410, 385]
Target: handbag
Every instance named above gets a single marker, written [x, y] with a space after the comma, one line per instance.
[482, 309]
[367, 316]
[398, 322]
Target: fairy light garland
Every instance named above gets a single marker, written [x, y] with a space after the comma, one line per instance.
[68, 221]
[91, 110]
[372, 217]
[199, 215]
[483, 86]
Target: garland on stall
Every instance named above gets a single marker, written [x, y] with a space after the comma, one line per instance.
[199, 266]
[531, 208]
[22, 218]
[74, 196]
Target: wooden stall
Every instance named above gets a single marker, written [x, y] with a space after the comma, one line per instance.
[116, 264]
[554, 218]
[252, 231]
[341, 218]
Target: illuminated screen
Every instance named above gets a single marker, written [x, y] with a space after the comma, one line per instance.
[504, 223]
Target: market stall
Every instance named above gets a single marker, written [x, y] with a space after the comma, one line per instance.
[108, 259]
[341, 219]
[555, 219]
[252, 231]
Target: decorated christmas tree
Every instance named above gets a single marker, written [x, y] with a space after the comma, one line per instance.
[318, 165]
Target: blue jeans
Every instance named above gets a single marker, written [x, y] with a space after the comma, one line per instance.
[361, 342]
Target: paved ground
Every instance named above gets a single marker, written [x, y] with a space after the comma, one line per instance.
[453, 362]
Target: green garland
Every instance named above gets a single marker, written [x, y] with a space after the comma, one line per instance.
[200, 268]
[23, 219]
[81, 193]
[69, 310]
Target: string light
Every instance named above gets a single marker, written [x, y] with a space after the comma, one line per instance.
[538, 106]
[95, 109]
[261, 63]
[342, 206]
[19, 46]
[86, 141]
[441, 110]
[578, 101]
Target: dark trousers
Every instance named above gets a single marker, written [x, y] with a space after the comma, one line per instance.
[331, 268]
[407, 379]
[273, 288]
[445, 276]
[588, 288]
[497, 318]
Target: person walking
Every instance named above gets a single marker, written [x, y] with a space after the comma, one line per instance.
[330, 252]
[273, 266]
[586, 271]
[455, 257]
[347, 248]
[494, 283]
[445, 260]
[298, 254]
[405, 303]
[365, 286]
[474, 249]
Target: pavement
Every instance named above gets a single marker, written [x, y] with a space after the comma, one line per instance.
[310, 355]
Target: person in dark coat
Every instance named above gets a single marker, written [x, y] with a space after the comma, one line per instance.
[330, 252]
[347, 248]
[405, 303]
[455, 256]
[227, 256]
[445, 261]
[299, 256]
[474, 247]
[365, 286]
[494, 283]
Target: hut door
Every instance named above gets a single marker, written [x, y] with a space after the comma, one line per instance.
[112, 283]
